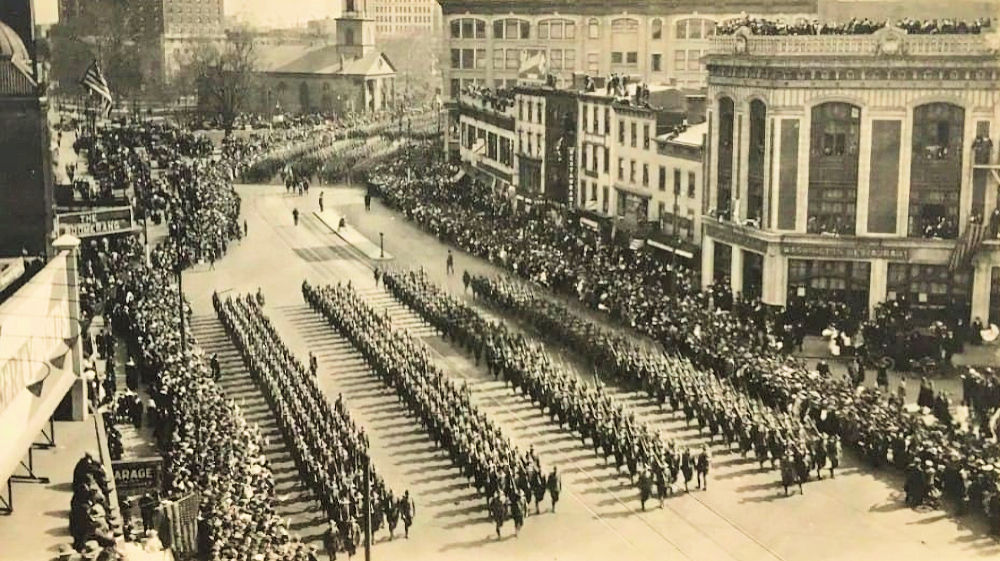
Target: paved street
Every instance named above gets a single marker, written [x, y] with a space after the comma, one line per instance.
[744, 516]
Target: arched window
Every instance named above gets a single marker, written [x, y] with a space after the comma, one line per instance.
[593, 28]
[936, 170]
[468, 28]
[556, 29]
[656, 28]
[755, 164]
[511, 28]
[724, 172]
[833, 168]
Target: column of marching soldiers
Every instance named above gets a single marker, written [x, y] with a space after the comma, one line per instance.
[791, 441]
[507, 478]
[329, 449]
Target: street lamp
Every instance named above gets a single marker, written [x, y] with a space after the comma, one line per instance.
[381, 245]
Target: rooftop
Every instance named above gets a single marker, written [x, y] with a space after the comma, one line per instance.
[607, 7]
[323, 60]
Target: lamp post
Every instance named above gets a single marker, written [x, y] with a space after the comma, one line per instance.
[381, 245]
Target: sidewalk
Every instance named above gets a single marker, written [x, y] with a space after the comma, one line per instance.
[40, 522]
[356, 239]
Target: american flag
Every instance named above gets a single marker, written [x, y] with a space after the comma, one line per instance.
[93, 80]
[967, 246]
[182, 515]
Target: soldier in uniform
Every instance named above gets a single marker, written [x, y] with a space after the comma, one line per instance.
[703, 463]
[518, 508]
[645, 487]
[498, 511]
[407, 509]
[555, 487]
[331, 540]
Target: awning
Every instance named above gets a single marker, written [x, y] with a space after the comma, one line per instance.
[676, 250]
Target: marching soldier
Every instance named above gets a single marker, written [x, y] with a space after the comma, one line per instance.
[704, 459]
[645, 486]
[407, 509]
[555, 487]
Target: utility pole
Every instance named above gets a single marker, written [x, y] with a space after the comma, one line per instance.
[368, 509]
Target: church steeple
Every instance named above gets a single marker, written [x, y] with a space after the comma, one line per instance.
[355, 30]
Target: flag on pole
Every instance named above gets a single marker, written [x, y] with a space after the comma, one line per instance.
[93, 80]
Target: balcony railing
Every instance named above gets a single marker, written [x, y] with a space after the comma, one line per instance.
[889, 41]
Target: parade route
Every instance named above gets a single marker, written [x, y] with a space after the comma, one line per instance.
[858, 515]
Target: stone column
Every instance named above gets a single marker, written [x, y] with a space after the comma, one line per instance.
[775, 281]
[878, 284]
[982, 281]
[707, 262]
[70, 245]
[736, 271]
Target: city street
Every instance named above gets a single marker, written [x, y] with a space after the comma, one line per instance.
[744, 515]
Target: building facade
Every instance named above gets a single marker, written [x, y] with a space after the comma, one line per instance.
[405, 18]
[854, 168]
[488, 140]
[660, 41]
[26, 190]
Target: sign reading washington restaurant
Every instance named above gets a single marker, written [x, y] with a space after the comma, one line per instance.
[846, 252]
[98, 222]
[138, 476]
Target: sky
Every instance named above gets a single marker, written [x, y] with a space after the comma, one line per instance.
[281, 13]
[264, 13]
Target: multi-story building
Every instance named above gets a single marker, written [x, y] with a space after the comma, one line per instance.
[661, 41]
[186, 25]
[855, 168]
[405, 18]
[488, 140]
[168, 30]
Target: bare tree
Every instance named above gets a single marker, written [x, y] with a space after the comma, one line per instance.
[225, 78]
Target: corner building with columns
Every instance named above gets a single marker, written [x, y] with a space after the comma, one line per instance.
[855, 168]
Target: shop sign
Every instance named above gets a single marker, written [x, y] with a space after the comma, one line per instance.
[98, 222]
[138, 476]
[735, 235]
[859, 252]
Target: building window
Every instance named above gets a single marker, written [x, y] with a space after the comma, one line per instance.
[513, 61]
[586, 111]
[456, 58]
[607, 160]
[645, 137]
[694, 60]
[455, 87]
[593, 63]
[634, 135]
[632, 58]
[677, 182]
[583, 158]
[555, 59]
[657, 62]
[691, 185]
[481, 59]
[467, 28]
[645, 175]
[593, 28]
[681, 31]
[596, 123]
[607, 120]
[663, 180]
[631, 171]
[679, 60]
[616, 57]
[497, 58]
[621, 169]
[511, 29]
[569, 57]
[657, 28]
[621, 132]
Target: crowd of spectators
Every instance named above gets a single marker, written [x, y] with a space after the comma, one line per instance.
[209, 448]
[661, 301]
[854, 26]
[499, 99]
